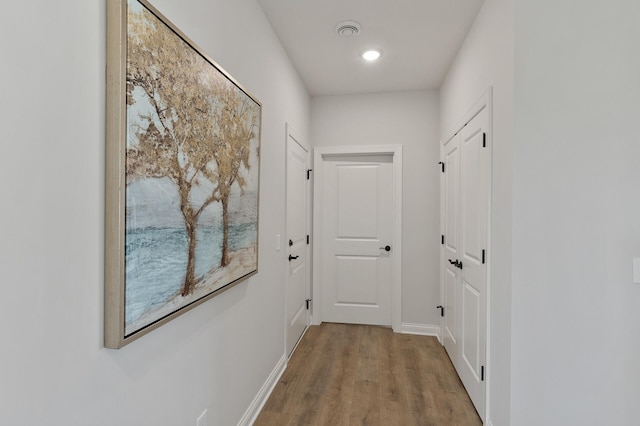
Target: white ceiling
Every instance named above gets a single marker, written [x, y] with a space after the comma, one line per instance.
[419, 39]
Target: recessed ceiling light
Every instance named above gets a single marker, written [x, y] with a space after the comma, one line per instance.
[372, 54]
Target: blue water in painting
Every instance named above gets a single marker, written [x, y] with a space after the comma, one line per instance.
[156, 260]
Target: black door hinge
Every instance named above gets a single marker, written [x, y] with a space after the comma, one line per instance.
[482, 373]
[483, 256]
[308, 239]
[441, 310]
[442, 239]
[309, 173]
[442, 164]
[484, 140]
[308, 301]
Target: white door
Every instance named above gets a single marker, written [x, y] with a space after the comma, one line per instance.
[357, 239]
[474, 221]
[466, 184]
[451, 211]
[297, 242]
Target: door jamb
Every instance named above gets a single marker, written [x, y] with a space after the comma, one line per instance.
[319, 155]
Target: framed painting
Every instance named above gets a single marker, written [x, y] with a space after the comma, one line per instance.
[182, 174]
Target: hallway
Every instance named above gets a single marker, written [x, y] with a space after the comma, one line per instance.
[363, 375]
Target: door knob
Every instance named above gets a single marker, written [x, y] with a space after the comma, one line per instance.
[293, 258]
[386, 248]
[456, 263]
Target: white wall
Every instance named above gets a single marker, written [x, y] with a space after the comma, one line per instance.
[53, 367]
[410, 119]
[486, 59]
[576, 213]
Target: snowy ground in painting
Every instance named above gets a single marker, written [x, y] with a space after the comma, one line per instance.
[241, 263]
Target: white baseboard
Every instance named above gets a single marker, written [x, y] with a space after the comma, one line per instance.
[421, 329]
[258, 402]
[489, 423]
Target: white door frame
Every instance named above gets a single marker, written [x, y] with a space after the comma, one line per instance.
[291, 133]
[320, 153]
[485, 101]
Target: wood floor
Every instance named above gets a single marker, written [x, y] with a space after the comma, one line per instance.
[363, 375]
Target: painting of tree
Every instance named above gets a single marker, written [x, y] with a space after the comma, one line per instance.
[192, 158]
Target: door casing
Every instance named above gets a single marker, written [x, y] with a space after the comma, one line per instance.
[320, 153]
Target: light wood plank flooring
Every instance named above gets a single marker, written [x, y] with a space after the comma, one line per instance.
[345, 374]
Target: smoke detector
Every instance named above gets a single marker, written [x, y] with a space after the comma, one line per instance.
[348, 28]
